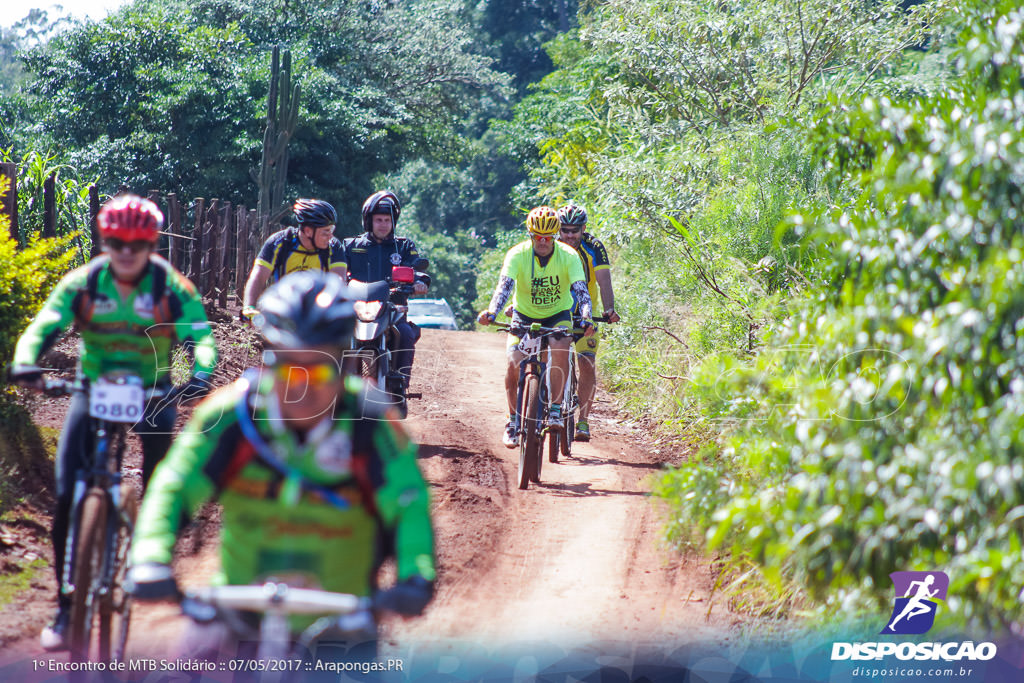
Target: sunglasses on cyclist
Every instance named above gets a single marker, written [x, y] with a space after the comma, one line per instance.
[135, 246]
[315, 374]
[542, 239]
[570, 231]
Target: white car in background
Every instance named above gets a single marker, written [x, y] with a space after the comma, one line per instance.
[434, 313]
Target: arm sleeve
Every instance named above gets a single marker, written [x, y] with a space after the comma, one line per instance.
[581, 299]
[195, 328]
[403, 501]
[502, 293]
[266, 256]
[55, 317]
[178, 487]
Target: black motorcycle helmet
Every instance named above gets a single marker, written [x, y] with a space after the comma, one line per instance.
[306, 309]
[316, 213]
[384, 201]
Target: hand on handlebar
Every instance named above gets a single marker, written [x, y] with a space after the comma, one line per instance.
[152, 581]
[611, 316]
[588, 328]
[419, 288]
[408, 598]
[247, 313]
[485, 318]
[28, 376]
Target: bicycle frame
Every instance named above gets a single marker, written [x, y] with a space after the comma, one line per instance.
[104, 472]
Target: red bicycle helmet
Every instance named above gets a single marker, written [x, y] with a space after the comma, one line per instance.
[130, 218]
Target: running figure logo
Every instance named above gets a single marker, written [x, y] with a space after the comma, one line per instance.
[917, 598]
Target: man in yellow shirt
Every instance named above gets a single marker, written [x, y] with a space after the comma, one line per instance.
[545, 280]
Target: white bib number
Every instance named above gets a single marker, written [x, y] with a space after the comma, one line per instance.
[530, 345]
[116, 402]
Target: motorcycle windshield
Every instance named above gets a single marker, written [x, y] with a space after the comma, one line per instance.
[369, 291]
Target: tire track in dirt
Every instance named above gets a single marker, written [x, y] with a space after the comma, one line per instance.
[574, 561]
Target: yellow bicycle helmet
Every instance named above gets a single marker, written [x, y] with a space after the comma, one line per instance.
[543, 221]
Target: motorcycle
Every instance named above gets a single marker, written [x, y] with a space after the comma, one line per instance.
[376, 336]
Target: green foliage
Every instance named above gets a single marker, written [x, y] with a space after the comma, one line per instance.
[26, 277]
[144, 99]
[167, 94]
[879, 428]
[71, 200]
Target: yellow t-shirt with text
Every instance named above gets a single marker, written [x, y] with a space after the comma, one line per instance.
[542, 290]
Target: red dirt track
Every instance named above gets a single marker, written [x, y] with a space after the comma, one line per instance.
[575, 560]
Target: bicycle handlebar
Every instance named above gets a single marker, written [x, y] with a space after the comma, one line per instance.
[52, 386]
[278, 596]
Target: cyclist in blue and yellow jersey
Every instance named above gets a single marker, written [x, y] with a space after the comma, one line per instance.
[545, 281]
[131, 307]
[573, 220]
[310, 246]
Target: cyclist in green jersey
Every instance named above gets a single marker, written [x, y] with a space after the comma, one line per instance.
[573, 219]
[130, 306]
[310, 246]
[316, 481]
[545, 280]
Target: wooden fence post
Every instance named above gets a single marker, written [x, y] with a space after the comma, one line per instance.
[50, 206]
[10, 201]
[174, 228]
[154, 196]
[210, 253]
[195, 257]
[94, 209]
[223, 262]
[241, 252]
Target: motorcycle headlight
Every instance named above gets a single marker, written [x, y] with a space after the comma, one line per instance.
[367, 311]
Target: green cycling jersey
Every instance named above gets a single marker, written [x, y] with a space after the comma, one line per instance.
[134, 333]
[274, 523]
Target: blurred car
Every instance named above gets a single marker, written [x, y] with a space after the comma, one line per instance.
[434, 313]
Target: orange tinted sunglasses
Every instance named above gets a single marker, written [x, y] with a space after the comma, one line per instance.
[314, 374]
[543, 239]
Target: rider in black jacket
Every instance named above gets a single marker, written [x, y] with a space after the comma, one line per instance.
[371, 256]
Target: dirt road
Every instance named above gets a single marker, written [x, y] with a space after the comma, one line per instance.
[572, 562]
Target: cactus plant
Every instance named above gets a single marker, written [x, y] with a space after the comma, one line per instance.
[282, 115]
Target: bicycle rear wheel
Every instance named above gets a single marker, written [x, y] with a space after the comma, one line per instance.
[116, 607]
[89, 542]
[530, 439]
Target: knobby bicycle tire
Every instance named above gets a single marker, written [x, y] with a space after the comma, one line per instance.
[113, 632]
[554, 444]
[89, 549]
[571, 400]
[530, 440]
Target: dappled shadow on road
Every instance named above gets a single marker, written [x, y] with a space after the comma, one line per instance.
[427, 450]
[591, 461]
[581, 490]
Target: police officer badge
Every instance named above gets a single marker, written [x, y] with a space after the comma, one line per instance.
[334, 454]
[396, 258]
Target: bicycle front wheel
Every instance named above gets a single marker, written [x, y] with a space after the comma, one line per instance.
[115, 608]
[87, 574]
[530, 440]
